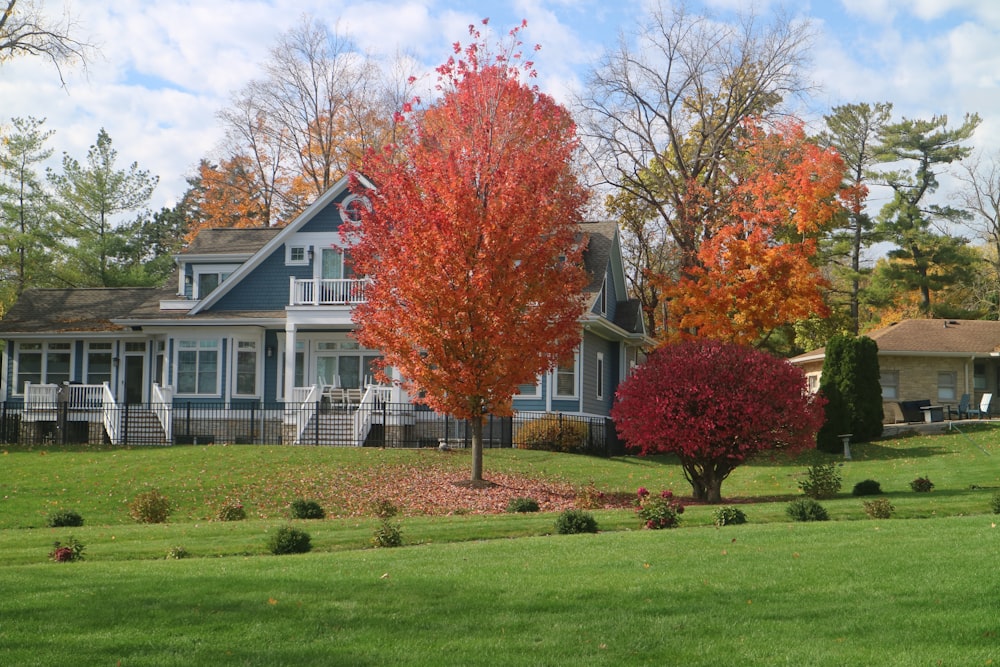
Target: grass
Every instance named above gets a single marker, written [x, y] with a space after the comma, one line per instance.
[851, 591]
[804, 594]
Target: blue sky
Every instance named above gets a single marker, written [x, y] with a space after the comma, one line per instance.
[167, 66]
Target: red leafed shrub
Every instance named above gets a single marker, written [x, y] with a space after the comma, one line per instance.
[714, 405]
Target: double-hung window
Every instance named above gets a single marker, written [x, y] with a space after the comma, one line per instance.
[98, 369]
[565, 380]
[890, 385]
[947, 386]
[43, 363]
[246, 368]
[198, 367]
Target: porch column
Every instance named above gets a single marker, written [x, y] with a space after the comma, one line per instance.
[289, 360]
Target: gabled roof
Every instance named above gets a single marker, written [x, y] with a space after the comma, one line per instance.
[965, 338]
[335, 191]
[91, 309]
[230, 240]
[972, 337]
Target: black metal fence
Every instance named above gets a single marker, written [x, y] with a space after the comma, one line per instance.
[317, 424]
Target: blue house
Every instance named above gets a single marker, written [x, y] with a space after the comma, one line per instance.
[250, 341]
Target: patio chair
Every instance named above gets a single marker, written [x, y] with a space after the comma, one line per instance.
[963, 407]
[984, 405]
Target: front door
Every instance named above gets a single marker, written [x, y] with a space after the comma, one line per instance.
[134, 377]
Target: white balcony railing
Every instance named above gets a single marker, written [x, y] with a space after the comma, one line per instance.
[327, 291]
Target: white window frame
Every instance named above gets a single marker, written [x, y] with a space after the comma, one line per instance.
[44, 350]
[554, 380]
[105, 347]
[599, 384]
[235, 345]
[537, 392]
[223, 271]
[348, 201]
[604, 296]
[290, 261]
[179, 347]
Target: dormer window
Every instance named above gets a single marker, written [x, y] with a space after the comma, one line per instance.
[208, 278]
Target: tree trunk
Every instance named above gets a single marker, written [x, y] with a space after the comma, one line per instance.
[477, 450]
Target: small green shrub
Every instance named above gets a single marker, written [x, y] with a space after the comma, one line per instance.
[574, 521]
[232, 510]
[729, 516]
[150, 507]
[384, 509]
[553, 433]
[387, 535]
[806, 509]
[868, 487]
[67, 553]
[306, 509]
[289, 540]
[657, 512]
[995, 503]
[177, 553]
[822, 481]
[879, 509]
[522, 505]
[64, 518]
[922, 484]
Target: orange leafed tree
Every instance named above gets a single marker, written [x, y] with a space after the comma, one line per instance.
[756, 271]
[227, 195]
[471, 240]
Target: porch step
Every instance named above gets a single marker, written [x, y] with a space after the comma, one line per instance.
[329, 429]
[144, 428]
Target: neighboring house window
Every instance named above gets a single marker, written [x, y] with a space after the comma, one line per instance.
[198, 367]
[812, 382]
[565, 380]
[43, 363]
[890, 385]
[600, 375]
[297, 255]
[947, 383]
[246, 368]
[98, 370]
[979, 377]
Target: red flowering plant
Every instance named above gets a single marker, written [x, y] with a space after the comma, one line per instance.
[656, 512]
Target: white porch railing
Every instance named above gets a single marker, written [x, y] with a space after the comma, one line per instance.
[374, 395]
[162, 404]
[112, 416]
[303, 406]
[327, 291]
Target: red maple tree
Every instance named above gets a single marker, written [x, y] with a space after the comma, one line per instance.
[715, 404]
[756, 271]
[471, 241]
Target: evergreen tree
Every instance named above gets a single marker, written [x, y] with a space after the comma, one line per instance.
[90, 198]
[852, 388]
[925, 260]
[27, 227]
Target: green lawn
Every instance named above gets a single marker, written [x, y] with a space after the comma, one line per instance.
[920, 588]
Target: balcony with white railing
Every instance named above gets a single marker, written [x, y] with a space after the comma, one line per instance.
[327, 291]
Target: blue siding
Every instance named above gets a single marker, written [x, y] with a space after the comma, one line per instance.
[592, 346]
[265, 288]
[327, 220]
